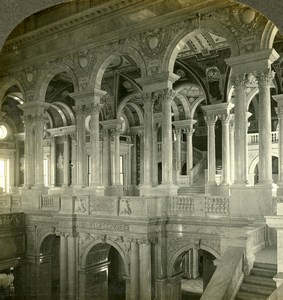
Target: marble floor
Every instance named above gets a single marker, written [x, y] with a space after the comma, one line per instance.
[267, 255]
[192, 289]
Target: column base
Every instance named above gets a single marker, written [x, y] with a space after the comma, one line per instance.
[114, 190]
[250, 202]
[167, 189]
[146, 190]
[96, 190]
[218, 190]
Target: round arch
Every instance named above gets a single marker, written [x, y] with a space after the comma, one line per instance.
[104, 60]
[47, 75]
[41, 240]
[111, 243]
[179, 40]
[268, 36]
[124, 102]
[8, 82]
[186, 248]
[255, 161]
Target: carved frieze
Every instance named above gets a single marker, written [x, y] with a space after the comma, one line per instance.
[111, 226]
[82, 204]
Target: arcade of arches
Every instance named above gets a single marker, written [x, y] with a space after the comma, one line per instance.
[140, 151]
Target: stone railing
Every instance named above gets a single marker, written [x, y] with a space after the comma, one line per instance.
[182, 205]
[227, 277]
[12, 220]
[253, 138]
[183, 180]
[50, 202]
[216, 205]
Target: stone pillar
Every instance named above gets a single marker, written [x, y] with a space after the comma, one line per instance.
[232, 148]
[279, 111]
[81, 146]
[106, 157]
[189, 134]
[239, 82]
[145, 271]
[264, 119]
[29, 152]
[134, 160]
[63, 267]
[94, 145]
[167, 137]
[38, 138]
[52, 162]
[210, 120]
[66, 179]
[72, 268]
[225, 119]
[155, 155]
[74, 164]
[148, 138]
[141, 157]
[178, 133]
[116, 135]
[134, 271]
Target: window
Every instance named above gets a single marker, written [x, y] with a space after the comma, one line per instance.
[3, 132]
[121, 170]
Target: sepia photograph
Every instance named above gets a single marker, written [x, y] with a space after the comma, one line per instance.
[141, 150]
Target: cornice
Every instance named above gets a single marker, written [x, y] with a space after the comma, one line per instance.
[96, 12]
[105, 38]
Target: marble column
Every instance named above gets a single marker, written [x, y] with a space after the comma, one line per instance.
[66, 179]
[148, 138]
[116, 135]
[225, 119]
[232, 148]
[155, 155]
[29, 151]
[210, 120]
[134, 271]
[134, 160]
[145, 271]
[141, 158]
[189, 134]
[52, 161]
[72, 268]
[81, 145]
[264, 79]
[63, 267]
[106, 157]
[239, 82]
[94, 144]
[74, 159]
[167, 137]
[178, 133]
[38, 138]
[279, 111]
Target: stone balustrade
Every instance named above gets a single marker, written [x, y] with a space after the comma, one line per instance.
[184, 205]
[215, 205]
[253, 138]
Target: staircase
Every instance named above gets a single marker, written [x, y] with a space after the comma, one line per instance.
[185, 190]
[259, 285]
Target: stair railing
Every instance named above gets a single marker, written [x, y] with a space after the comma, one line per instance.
[228, 276]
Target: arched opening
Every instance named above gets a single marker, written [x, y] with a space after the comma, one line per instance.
[48, 287]
[102, 276]
[196, 268]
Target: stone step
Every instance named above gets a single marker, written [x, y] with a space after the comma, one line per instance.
[191, 190]
[263, 272]
[265, 266]
[257, 289]
[266, 281]
[250, 296]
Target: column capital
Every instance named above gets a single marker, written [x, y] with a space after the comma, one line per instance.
[279, 112]
[218, 109]
[189, 131]
[210, 120]
[34, 108]
[86, 97]
[225, 119]
[279, 99]
[178, 131]
[264, 77]
[239, 80]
